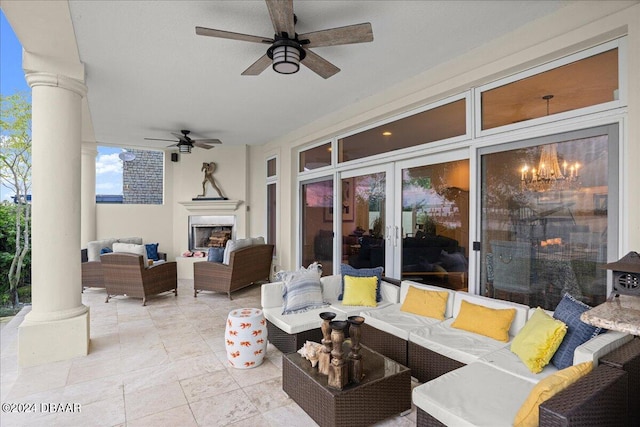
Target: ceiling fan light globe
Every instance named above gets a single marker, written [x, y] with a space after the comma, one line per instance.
[286, 59]
[126, 156]
[184, 148]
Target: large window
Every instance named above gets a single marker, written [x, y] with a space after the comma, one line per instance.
[548, 214]
[129, 176]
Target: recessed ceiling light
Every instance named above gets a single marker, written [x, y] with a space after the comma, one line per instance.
[386, 133]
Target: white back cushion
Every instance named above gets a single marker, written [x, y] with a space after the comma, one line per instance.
[94, 248]
[233, 245]
[132, 249]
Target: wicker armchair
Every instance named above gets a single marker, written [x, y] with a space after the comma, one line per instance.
[246, 266]
[126, 274]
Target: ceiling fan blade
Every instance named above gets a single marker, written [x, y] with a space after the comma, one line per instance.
[207, 141]
[201, 31]
[319, 65]
[157, 139]
[258, 67]
[180, 137]
[281, 13]
[201, 145]
[172, 145]
[358, 33]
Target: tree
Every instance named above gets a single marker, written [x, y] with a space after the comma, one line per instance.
[15, 174]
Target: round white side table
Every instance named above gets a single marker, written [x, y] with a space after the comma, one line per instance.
[246, 338]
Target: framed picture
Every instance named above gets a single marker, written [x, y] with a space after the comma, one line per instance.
[348, 206]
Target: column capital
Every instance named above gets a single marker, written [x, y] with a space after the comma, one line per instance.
[89, 148]
[56, 80]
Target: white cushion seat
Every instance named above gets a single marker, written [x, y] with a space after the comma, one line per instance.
[465, 347]
[392, 320]
[506, 361]
[474, 395]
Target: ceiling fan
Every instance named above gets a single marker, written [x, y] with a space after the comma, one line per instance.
[288, 49]
[185, 143]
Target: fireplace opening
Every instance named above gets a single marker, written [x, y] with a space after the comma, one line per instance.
[210, 231]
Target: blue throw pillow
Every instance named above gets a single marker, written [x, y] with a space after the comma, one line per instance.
[152, 251]
[568, 311]
[105, 251]
[215, 254]
[347, 270]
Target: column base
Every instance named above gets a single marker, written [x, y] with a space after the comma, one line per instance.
[51, 341]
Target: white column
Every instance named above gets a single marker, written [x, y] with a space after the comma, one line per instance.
[57, 328]
[88, 199]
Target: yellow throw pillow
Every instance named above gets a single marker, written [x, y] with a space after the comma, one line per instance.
[528, 415]
[360, 291]
[491, 322]
[425, 302]
[538, 340]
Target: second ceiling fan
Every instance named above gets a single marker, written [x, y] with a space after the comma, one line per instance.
[288, 49]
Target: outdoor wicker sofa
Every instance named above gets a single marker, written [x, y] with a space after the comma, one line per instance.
[92, 276]
[246, 266]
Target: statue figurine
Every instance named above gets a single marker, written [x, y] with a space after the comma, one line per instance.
[209, 169]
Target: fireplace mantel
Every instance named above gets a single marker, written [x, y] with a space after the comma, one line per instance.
[211, 205]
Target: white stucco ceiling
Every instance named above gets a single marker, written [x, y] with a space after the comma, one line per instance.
[148, 73]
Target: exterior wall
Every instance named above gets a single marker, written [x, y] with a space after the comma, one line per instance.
[578, 26]
[142, 178]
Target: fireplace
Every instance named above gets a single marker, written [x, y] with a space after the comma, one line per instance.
[207, 231]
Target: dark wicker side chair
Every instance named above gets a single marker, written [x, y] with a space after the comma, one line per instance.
[246, 266]
[126, 274]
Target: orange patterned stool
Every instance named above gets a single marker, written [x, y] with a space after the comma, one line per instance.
[246, 338]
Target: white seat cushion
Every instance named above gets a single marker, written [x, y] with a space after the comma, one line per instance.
[354, 310]
[509, 362]
[474, 395]
[298, 322]
[395, 322]
[456, 344]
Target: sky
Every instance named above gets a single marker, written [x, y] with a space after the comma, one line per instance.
[108, 165]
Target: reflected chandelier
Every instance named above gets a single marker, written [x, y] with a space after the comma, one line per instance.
[550, 175]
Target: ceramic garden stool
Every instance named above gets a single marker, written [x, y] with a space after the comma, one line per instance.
[246, 338]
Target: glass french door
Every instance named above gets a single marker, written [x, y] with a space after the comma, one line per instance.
[432, 220]
[317, 218]
[366, 218]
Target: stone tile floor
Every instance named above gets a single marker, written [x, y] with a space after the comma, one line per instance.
[159, 365]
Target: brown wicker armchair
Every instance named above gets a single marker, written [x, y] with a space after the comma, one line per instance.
[246, 266]
[125, 274]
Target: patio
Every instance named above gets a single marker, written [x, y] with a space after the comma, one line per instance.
[159, 365]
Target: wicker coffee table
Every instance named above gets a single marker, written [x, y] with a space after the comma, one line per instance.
[385, 391]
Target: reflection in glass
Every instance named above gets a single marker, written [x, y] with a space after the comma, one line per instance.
[435, 224]
[271, 214]
[436, 124]
[363, 220]
[539, 244]
[590, 81]
[317, 224]
[271, 167]
[314, 158]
